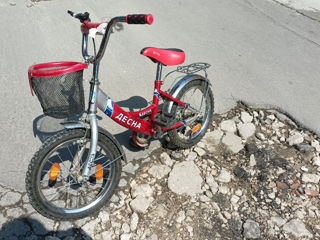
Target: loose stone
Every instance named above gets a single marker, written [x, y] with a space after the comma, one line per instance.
[191, 156]
[246, 130]
[140, 204]
[297, 228]
[251, 229]
[200, 151]
[295, 138]
[316, 161]
[260, 136]
[224, 176]
[159, 171]
[233, 142]
[246, 117]
[134, 221]
[228, 126]
[310, 178]
[185, 179]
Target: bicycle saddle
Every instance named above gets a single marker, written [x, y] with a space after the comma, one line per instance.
[169, 56]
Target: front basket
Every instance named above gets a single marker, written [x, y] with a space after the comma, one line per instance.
[59, 87]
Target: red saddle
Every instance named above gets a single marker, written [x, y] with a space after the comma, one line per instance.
[169, 56]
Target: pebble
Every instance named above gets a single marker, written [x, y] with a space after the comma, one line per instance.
[234, 199]
[140, 204]
[233, 142]
[224, 176]
[246, 117]
[295, 138]
[297, 228]
[159, 171]
[200, 151]
[130, 168]
[134, 221]
[246, 130]
[251, 229]
[204, 198]
[252, 161]
[213, 138]
[260, 136]
[181, 216]
[228, 126]
[191, 156]
[125, 228]
[123, 182]
[143, 190]
[310, 178]
[278, 221]
[185, 179]
[316, 161]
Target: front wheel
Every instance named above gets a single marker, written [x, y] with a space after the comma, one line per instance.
[197, 116]
[54, 181]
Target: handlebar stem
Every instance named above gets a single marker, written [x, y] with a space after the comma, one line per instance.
[103, 43]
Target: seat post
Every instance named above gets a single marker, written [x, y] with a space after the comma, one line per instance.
[159, 71]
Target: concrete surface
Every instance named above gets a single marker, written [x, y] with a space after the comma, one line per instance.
[261, 52]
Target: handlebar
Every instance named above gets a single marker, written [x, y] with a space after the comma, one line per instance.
[139, 19]
[86, 25]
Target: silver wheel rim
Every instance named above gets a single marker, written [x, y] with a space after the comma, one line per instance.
[51, 198]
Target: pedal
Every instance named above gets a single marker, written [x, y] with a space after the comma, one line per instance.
[139, 141]
[162, 120]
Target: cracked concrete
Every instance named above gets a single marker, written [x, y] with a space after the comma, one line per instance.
[261, 53]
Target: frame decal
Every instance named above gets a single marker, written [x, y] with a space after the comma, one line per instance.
[109, 107]
[156, 93]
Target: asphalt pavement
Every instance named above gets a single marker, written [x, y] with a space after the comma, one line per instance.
[263, 53]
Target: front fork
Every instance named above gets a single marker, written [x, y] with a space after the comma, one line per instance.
[93, 146]
[92, 118]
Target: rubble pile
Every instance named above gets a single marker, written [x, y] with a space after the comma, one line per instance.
[255, 175]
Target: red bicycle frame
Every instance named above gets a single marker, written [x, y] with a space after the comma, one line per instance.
[134, 120]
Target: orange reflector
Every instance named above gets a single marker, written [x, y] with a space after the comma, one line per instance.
[196, 128]
[99, 172]
[54, 171]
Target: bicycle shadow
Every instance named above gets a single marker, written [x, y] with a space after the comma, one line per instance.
[31, 229]
[45, 126]
[133, 103]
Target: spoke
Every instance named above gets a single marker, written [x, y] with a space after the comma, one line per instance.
[67, 195]
[70, 153]
[64, 186]
[107, 164]
[102, 156]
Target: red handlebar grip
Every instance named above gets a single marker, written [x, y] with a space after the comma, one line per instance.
[139, 19]
[149, 19]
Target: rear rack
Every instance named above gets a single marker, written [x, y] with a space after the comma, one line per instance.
[189, 69]
[193, 68]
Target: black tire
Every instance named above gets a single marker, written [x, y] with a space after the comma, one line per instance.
[70, 205]
[183, 137]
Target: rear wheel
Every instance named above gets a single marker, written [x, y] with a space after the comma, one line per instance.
[54, 183]
[198, 115]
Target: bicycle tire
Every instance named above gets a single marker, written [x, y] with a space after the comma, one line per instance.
[37, 171]
[175, 135]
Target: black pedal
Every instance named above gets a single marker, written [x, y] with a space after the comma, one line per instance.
[168, 115]
[162, 120]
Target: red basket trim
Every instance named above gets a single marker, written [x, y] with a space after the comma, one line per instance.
[66, 67]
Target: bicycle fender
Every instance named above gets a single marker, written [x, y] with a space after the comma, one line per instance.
[179, 86]
[73, 125]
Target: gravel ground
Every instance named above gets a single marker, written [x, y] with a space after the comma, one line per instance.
[255, 175]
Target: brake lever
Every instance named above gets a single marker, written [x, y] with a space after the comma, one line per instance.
[81, 16]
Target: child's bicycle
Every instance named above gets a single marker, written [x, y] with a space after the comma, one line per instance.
[76, 171]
